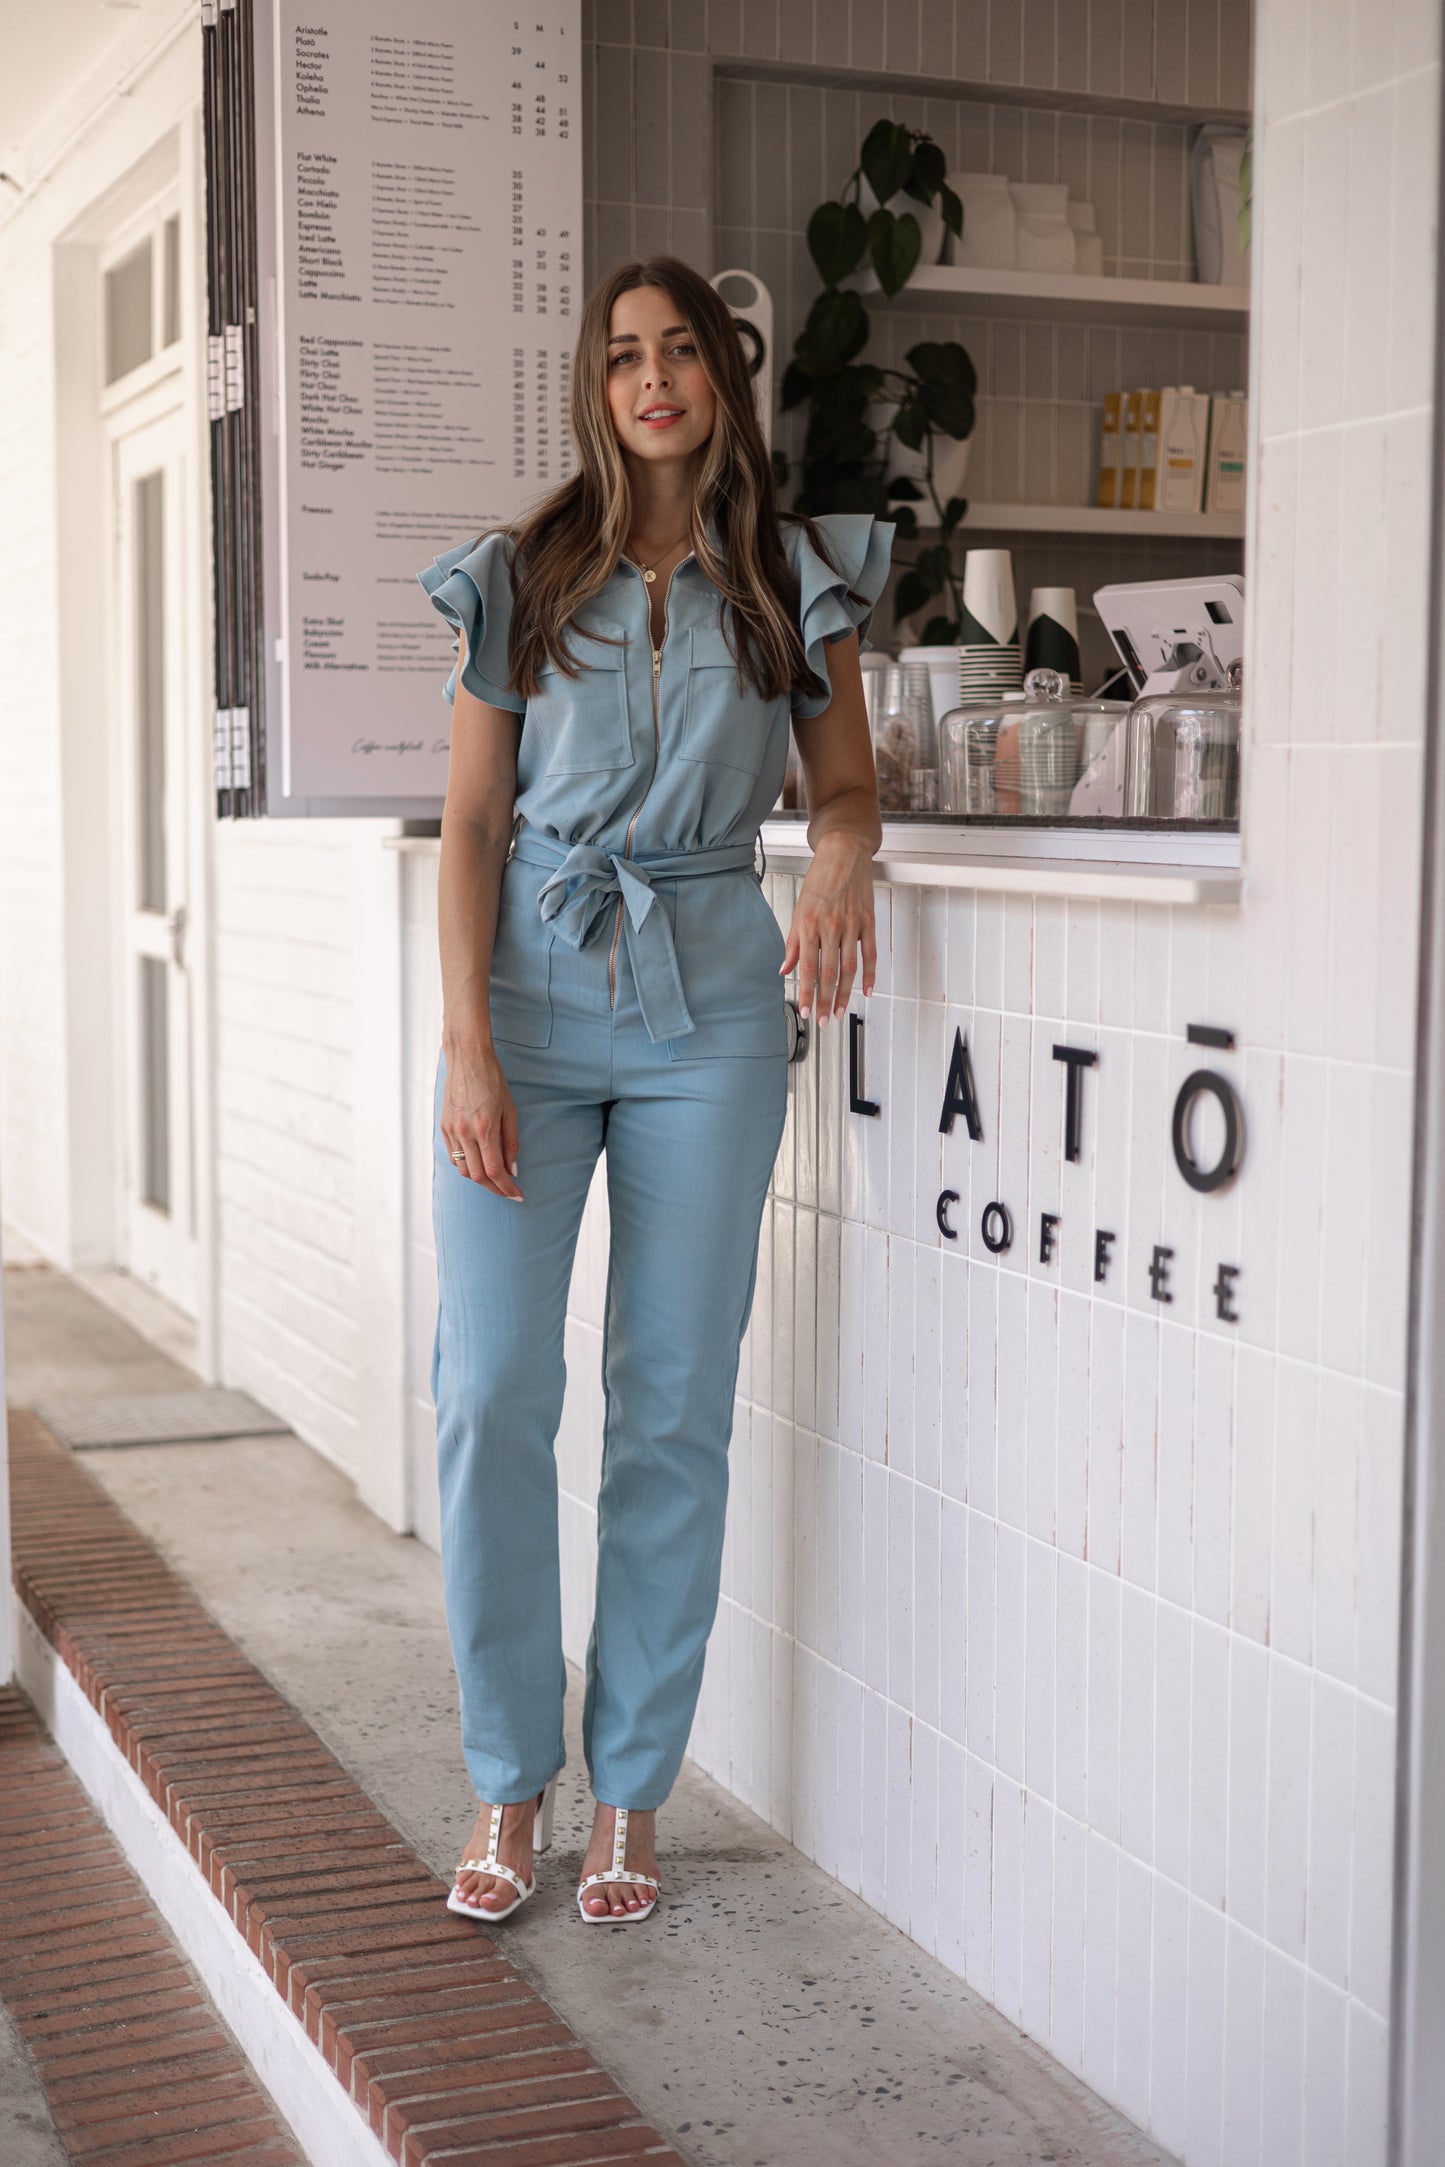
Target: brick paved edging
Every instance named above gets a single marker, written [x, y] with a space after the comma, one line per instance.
[436, 2037]
[135, 2065]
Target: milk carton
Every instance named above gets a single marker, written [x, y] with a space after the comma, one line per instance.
[1228, 443]
[1183, 436]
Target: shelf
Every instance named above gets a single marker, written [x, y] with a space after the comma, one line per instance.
[978, 90]
[1175, 304]
[1090, 519]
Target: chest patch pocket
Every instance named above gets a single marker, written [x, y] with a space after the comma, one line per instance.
[584, 721]
[720, 723]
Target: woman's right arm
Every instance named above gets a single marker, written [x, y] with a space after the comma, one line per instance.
[477, 1114]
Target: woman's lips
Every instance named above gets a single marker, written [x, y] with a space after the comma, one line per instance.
[660, 421]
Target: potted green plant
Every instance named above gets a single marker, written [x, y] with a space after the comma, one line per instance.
[877, 438]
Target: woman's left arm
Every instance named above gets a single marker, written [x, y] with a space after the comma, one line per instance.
[834, 913]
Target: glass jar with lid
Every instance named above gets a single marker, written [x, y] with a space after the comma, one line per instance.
[1042, 754]
[905, 741]
[1182, 754]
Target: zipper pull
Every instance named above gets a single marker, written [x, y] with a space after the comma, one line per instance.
[656, 660]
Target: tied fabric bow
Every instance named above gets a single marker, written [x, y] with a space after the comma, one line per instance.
[574, 900]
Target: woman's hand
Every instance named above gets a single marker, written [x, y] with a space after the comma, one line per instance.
[835, 903]
[478, 1117]
[832, 918]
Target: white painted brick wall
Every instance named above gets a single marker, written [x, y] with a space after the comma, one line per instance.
[32, 1008]
[285, 1120]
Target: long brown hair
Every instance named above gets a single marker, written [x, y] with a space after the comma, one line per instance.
[569, 546]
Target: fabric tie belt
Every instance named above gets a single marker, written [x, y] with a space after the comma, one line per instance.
[574, 900]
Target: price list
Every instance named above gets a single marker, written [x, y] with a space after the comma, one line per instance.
[430, 191]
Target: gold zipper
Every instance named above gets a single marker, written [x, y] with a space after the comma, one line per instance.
[656, 757]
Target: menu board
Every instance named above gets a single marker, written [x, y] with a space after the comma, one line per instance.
[428, 197]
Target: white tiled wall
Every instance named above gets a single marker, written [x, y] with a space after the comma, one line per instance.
[1057, 1621]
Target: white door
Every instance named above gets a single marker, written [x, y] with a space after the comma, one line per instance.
[158, 1210]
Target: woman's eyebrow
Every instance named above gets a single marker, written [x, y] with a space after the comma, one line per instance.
[629, 338]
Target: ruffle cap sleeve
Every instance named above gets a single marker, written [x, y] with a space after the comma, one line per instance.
[471, 586]
[861, 547]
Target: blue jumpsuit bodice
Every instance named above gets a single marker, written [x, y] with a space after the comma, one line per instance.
[651, 763]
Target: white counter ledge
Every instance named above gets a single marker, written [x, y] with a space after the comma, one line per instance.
[1093, 864]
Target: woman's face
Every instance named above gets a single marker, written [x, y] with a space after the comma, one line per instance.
[662, 403]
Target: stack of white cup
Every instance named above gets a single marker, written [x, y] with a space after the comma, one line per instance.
[989, 660]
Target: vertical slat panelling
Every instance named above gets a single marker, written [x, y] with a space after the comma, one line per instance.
[1129, 1573]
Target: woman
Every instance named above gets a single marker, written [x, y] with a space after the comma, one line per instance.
[628, 659]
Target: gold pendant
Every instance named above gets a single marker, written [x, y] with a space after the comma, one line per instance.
[649, 576]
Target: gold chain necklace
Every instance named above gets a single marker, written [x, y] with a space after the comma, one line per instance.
[649, 571]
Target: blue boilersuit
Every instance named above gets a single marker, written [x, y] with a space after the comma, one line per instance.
[636, 1009]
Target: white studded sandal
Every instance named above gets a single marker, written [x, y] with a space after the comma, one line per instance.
[618, 1871]
[491, 1864]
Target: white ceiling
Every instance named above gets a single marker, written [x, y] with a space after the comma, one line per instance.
[46, 47]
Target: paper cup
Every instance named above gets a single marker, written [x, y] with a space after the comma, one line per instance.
[1052, 640]
[990, 606]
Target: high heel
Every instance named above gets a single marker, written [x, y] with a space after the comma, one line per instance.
[491, 1864]
[619, 1871]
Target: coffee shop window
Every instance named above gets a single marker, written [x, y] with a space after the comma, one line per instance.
[1065, 455]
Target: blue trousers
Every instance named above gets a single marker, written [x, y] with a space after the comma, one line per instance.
[690, 1128]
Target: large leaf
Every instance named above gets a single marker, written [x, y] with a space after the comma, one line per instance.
[939, 632]
[951, 412]
[943, 361]
[797, 384]
[911, 427]
[894, 246]
[929, 168]
[836, 441]
[837, 329]
[946, 389]
[906, 520]
[903, 487]
[934, 565]
[842, 489]
[886, 158]
[837, 237]
[845, 395]
[912, 593]
[952, 209]
[953, 511]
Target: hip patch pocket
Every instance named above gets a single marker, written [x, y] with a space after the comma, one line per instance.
[520, 991]
[729, 948]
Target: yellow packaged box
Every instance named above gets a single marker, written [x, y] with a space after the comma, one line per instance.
[1110, 448]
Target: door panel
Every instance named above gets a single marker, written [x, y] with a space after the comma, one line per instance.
[158, 1205]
